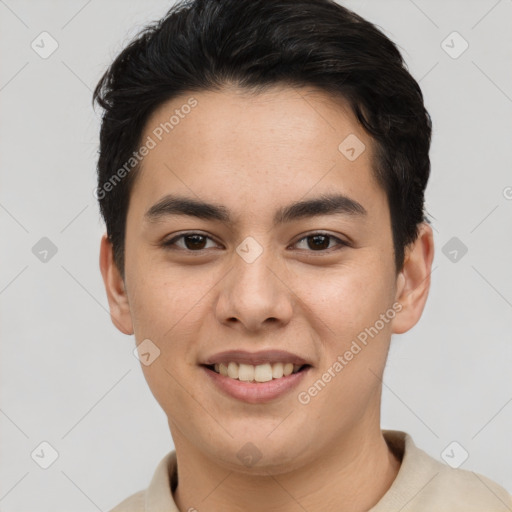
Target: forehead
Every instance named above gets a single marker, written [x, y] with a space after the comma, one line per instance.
[236, 146]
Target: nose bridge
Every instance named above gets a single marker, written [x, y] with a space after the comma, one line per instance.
[251, 266]
[252, 292]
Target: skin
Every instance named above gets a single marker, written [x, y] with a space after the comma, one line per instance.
[254, 154]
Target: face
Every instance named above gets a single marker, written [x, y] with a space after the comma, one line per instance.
[254, 275]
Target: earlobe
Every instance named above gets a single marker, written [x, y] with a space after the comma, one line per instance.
[115, 288]
[413, 282]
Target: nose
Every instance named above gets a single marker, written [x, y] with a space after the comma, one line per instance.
[255, 294]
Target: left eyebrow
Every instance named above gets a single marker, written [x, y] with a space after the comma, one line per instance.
[326, 204]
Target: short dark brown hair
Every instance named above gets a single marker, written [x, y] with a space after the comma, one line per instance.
[202, 45]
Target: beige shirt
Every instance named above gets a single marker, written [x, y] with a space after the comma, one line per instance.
[422, 484]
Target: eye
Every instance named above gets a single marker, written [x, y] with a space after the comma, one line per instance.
[320, 242]
[196, 242]
[193, 242]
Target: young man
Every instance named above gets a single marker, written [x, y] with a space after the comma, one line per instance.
[262, 172]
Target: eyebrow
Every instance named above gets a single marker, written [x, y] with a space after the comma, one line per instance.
[325, 204]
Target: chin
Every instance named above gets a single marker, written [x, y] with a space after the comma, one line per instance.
[259, 454]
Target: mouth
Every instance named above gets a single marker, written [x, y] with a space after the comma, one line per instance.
[256, 377]
[255, 373]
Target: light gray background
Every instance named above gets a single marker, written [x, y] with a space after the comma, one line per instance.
[69, 378]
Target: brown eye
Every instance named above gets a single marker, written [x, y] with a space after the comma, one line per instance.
[320, 242]
[193, 242]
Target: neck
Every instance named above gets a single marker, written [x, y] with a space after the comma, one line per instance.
[351, 476]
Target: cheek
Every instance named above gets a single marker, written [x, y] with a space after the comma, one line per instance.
[346, 299]
[345, 313]
[169, 314]
[161, 300]
[347, 318]
[171, 309]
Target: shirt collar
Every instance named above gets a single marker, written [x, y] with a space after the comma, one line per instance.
[159, 494]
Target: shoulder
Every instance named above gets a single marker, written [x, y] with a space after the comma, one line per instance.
[424, 484]
[461, 489]
[134, 503]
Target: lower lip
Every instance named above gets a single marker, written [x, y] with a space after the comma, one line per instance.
[256, 392]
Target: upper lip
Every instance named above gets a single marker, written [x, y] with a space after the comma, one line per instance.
[255, 358]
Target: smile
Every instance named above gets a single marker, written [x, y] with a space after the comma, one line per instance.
[251, 390]
[255, 373]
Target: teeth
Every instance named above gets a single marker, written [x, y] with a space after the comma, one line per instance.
[246, 372]
[260, 373]
[277, 370]
[263, 372]
[288, 369]
[233, 370]
[223, 369]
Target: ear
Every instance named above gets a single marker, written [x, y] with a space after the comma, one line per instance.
[413, 281]
[115, 288]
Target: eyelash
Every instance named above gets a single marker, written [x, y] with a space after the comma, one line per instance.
[170, 243]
